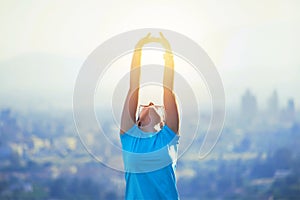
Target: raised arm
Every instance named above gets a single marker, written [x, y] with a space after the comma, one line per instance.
[172, 118]
[131, 101]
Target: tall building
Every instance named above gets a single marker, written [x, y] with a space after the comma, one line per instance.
[273, 103]
[248, 106]
[288, 114]
[290, 110]
[291, 106]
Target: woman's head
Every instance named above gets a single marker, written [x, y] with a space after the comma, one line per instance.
[150, 115]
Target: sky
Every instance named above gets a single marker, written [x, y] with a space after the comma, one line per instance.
[253, 44]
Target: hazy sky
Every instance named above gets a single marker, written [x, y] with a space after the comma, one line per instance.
[254, 44]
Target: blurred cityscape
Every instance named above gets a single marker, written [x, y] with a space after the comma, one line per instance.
[256, 157]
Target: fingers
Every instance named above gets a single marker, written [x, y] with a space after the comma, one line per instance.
[148, 39]
[164, 41]
[155, 39]
[148, 35]
[161, 35]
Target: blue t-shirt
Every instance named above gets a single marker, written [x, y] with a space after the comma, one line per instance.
[150, 163]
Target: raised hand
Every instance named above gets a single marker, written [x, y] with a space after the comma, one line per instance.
[164, 42]
[144, 41]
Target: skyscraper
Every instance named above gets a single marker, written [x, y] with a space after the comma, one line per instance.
[273, 103]
[248, 106]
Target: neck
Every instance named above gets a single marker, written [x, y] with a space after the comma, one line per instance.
[149, 128]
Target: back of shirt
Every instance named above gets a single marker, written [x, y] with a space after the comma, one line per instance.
[150, 163]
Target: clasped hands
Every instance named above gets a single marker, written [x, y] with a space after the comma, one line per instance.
[148, 39]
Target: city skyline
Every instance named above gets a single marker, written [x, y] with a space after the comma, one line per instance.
[40, 87]
[44, 44]
[254, 45]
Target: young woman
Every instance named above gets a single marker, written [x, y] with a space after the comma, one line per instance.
[150, 143]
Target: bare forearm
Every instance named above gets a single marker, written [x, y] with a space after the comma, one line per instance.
[135, 69]
[169, 71]
[131, 102]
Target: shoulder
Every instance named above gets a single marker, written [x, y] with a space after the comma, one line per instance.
[167, 129]
[131, 130]
[169, 134]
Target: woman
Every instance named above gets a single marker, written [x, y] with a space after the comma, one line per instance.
[150, 143]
